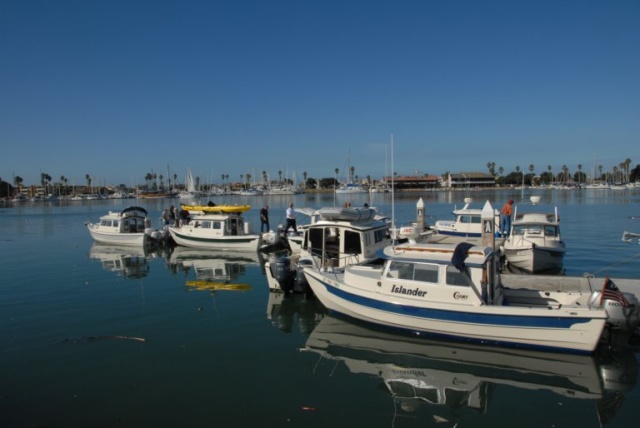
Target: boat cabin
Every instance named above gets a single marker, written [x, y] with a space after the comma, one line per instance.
[342, 243]
[459, 273]
[219, 224]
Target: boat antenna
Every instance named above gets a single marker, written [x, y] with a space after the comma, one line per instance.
[393, 204]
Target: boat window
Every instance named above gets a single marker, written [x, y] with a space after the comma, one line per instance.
[455, 277]
[519, 230]
[400, 270]
[352, 242]
[316, 236]
[476, 219]
[105, 222]
[426, 272]
[116, 223]
[551, 231]
[380, 235]
[217, 225]
[462, 219]
[534, 229]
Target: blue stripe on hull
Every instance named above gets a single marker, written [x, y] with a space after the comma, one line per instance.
[460, 339]
[455, 316]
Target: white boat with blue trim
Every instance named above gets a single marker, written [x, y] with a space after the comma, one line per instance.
[456, 291]
[336, 237]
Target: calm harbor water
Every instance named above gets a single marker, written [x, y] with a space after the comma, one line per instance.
[100, 336]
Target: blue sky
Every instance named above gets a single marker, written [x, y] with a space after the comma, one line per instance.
[116, 89]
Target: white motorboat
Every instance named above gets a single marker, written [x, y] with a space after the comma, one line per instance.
[131, 226]
[465, 226]
[351, 189]
[436, 372]
[217, 230]
[457, 291]
[335, 238]
[534, 244]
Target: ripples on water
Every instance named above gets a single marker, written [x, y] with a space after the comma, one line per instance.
[70, 320]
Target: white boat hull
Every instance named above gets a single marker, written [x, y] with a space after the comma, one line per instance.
[182, 236]
[138, 239]
[569, 330]
[535, 260]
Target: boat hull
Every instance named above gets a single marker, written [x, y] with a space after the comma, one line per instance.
[535, 260]
[568, 330]
[193, 240]
[137, 239]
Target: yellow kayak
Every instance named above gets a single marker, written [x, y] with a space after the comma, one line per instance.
[217, 208]
[210, 285]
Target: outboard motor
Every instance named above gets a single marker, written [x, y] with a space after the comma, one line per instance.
[621, 317]
[281, 271]
[301, 284]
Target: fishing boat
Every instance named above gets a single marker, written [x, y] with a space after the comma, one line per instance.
[534, 244]
[131, 226]
[449, 376]
[216, 208]
[221, 230]
[335, 238]
[456, 291]
[465, 226]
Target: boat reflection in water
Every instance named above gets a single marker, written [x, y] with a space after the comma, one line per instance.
[446, 380]
[213, 270]
[131, 262]
[284, 310]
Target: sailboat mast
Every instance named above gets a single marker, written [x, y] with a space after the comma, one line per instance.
[393, 203]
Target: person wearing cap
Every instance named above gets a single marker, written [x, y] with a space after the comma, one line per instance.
[505, 218]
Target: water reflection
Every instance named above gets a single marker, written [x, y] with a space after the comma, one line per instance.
[445, 379]
[285, 311]
[211, 270]
[129, 262]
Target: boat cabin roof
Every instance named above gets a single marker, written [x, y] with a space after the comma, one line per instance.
[438, 253]
[535, 218]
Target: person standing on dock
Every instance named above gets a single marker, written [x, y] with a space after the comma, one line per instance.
[291, 220]
[264, 218]
[505, 218]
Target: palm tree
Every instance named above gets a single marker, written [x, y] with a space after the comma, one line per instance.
[336, 180]
[148, 177]
[161, 183]
[579, 173]
[531, 169]
[17, 180]
[550, 173]
[492, 168]
[264, 179]
[352, 173]
[279, 177]
[600, 170]
[304, 175]
[564, 171]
